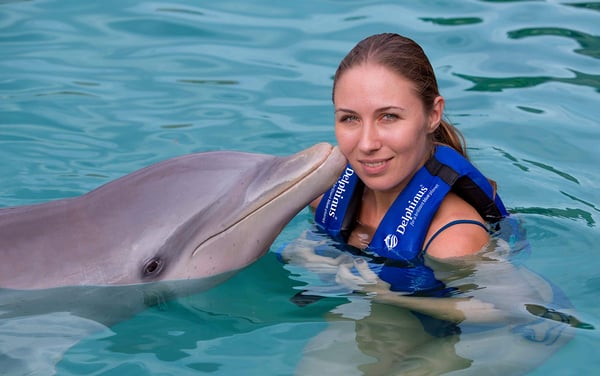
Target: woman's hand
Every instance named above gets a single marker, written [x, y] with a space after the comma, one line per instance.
[454, 309]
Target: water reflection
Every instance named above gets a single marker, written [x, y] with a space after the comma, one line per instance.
[482, 83]
[566, 213]
[508, 310]
[456, 21]
[594, 5]
[590, 44]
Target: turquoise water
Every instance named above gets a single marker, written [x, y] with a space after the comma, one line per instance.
[92, 90]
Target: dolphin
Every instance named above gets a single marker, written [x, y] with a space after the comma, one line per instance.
[197, 216]
[74, 267]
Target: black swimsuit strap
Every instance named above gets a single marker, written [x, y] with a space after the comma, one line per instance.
[449, 224]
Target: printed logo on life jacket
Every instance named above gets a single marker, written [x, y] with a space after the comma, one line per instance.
[340, 188]
[391, 241]
[410, 209]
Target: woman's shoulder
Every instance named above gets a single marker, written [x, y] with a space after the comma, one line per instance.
[463, 236]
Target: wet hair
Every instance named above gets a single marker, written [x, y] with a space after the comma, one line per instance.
[405, 57]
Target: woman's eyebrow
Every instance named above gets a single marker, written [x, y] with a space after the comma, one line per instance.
[344, 110]
[388, 108]
[379, 110]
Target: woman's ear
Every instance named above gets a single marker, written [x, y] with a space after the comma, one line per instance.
[435, 116]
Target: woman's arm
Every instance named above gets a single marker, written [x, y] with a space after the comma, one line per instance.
[453, 309]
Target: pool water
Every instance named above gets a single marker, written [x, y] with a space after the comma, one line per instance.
[93, 90]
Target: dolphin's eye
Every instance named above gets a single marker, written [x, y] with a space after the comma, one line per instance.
[153, 267]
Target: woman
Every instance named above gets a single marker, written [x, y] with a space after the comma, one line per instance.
[403, 194]
[409, 191]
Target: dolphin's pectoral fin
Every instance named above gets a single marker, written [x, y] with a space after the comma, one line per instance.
[552, 314]
[159, 297]
[302, 300]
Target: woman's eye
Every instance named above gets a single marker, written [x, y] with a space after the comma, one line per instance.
[348, 119]
[389, 117]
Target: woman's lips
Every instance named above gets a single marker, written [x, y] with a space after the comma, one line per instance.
[375, 166]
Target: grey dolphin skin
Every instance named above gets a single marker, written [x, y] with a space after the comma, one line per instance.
[196, 216]
[72, 267]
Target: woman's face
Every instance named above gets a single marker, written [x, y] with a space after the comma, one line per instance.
[382, 127]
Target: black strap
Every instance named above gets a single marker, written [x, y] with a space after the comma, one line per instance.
[445, 172]
[466, 189]
[349, 221]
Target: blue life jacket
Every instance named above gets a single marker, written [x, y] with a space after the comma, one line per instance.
[402, 231]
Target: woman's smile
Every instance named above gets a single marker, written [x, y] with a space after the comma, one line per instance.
[375, 166]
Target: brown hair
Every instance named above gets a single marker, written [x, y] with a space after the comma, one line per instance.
[405, 57]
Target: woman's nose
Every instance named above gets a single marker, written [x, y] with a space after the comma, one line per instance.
[369, 138]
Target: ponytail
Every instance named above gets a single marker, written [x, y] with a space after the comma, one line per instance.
[448, 134]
